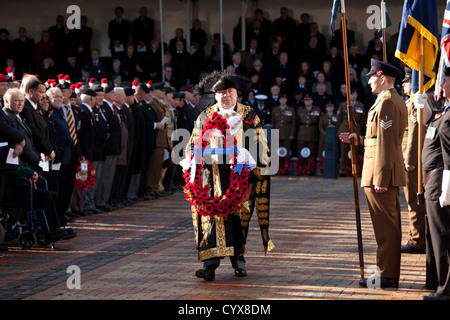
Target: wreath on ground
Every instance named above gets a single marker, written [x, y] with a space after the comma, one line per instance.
[236, 197]
[85, 179]
[305, 166]
[287, 165]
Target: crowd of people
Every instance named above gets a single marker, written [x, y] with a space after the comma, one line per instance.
[99, 129]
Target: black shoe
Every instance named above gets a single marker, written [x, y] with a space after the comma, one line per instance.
[207, 274]
[69, 218]
[240, 272]
[436, 296]
[66, 234]
[3, 247]
[93, 211]
[381, 281]
[407, 248]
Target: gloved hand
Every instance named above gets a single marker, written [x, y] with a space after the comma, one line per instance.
[444, 199]
[421, 102]
[245, 157]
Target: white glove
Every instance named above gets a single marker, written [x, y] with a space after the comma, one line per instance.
[444, 199]
[186, 163]
[246, 158]
[421, 102]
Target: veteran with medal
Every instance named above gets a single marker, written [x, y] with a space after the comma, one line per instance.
[383, 172]
[436, 181]
[225, 178]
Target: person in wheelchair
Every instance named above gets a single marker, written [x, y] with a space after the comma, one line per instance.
[18, 190]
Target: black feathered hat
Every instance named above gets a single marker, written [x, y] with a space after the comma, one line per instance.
[216, 81]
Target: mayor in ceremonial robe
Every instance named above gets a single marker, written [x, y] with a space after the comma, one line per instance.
[233, 176]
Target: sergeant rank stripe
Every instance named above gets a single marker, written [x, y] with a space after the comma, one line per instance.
[386, 124]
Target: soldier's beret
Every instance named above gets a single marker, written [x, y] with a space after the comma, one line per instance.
[157, 86]
[382, 68]
[109, 88]
[129, 91]
[167, 89]
[89, 92]
[144, 87]
[307, 97]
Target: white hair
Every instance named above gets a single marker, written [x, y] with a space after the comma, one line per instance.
[52, 91]
[9, 93]
[85, 98]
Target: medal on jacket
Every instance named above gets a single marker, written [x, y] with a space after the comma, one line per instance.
[431, 132]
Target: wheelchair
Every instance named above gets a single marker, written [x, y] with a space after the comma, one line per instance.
[21, 222]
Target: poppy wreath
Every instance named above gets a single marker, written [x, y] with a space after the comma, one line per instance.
[236, 197]
[90, 180]
[305, 166]
[287, 166]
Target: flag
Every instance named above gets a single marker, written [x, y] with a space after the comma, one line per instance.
[444, 61]
[384, 23]
[419, 18]
[334, 11]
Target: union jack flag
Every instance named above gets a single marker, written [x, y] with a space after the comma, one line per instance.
[444, 61]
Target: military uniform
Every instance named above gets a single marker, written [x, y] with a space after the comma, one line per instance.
[410, 151]
[102, 130]
[436, 166]
[358, 114]
[283, 119]
[157, 156]
[383, 167]
[82, 200]
[308, 130]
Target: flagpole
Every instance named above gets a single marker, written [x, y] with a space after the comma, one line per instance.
[420, 196]
[383, 28]
[352, 146]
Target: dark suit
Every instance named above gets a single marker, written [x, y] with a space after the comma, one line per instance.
[86, 132]
[143, 28]
[9, 136]
[182, 68]
[30, 156]
[34, 118]
[98, 69]
[113, 149]
[101, 127]
[118, 31]
[66, 172]
[113, 143]
[138, 162]
[264, 114]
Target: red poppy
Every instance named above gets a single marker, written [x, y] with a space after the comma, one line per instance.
[248, 120]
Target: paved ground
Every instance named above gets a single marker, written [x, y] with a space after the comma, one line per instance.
[146, 251]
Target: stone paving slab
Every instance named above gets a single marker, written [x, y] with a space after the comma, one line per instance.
[147, 252]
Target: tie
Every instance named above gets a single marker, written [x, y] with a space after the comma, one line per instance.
[73, 133]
